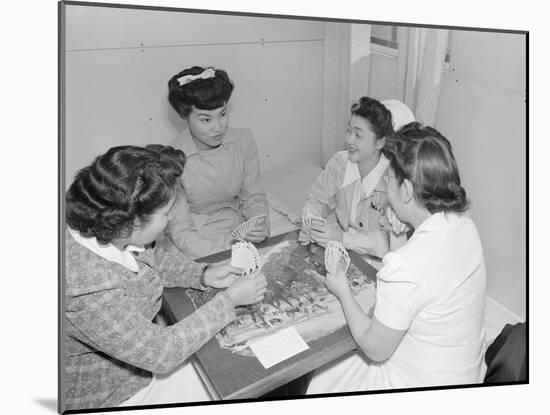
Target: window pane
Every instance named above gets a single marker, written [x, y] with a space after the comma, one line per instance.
[382, 32]
[384, 35]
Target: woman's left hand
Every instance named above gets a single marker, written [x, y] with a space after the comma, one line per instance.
[396, 226]
[221, 276]
[337, 283]
[258, 233]
[324, 235]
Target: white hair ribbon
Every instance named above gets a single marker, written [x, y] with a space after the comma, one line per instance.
[207, 73]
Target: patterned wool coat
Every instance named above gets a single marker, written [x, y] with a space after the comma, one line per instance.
[111, 345]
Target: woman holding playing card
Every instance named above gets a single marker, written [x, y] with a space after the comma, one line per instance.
[348, 201]
[427, 325]
[114, 353]
[221, 188]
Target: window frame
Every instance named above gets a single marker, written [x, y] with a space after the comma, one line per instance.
[385, 47]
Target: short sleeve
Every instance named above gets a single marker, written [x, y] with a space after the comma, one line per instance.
[399, 294]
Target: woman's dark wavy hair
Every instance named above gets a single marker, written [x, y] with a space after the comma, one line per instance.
[424, 156]
[376, 114]
[205, 94]
[125, 183]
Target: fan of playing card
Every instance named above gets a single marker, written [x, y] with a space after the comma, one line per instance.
[239, 233]
[336, 257]
[245, 255]
[309, 220]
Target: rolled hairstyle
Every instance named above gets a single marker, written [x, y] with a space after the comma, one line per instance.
[125, 183]
[376, 114]
[424, 156]
[206, 94]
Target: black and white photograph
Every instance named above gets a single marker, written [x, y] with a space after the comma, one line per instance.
[287, 210]
[223, 171]
[264, 207]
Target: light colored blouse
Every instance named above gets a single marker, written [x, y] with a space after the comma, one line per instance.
[355, 206]
[221, 189]
[362, 188]
[433, 288]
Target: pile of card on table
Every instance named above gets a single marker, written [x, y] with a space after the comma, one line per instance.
[245, 255]
[336, 257]
[239, 233]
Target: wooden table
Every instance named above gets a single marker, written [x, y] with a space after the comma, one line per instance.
[231, 376]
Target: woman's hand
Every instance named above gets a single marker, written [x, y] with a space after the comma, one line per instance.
[303, 237]
[248, 289]
[258, 232]
[326, 234]
[221, 276]
[337, 283]
[397, 227]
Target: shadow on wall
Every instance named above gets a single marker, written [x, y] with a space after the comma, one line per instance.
[177, 123]
[359, 78]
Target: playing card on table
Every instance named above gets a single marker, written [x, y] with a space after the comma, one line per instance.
[336, 257]
[245, 255]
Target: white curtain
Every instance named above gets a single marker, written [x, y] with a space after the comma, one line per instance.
[336, 84]
[420, 70]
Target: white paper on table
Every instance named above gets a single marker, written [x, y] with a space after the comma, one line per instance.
[280, 346]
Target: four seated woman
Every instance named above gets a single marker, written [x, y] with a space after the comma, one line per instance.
[427, 327]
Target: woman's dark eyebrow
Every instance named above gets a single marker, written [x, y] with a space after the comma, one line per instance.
[210, 115]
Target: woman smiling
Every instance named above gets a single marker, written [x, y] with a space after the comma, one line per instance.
[427, 326]
[350, 193]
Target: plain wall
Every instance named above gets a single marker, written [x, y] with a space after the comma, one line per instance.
[383, 77]
[118, 62]
[482, 111]
[482, 108]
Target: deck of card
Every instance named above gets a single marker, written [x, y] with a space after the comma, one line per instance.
[336, 257]
[245, 255]
[239, 233]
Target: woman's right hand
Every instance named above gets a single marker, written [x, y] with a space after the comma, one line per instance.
[304, 237]
[396, 226]
[337, 283]
[248, 290]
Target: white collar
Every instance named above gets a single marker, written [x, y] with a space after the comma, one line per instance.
[109, 251]
[352, 171]
[438, 221]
